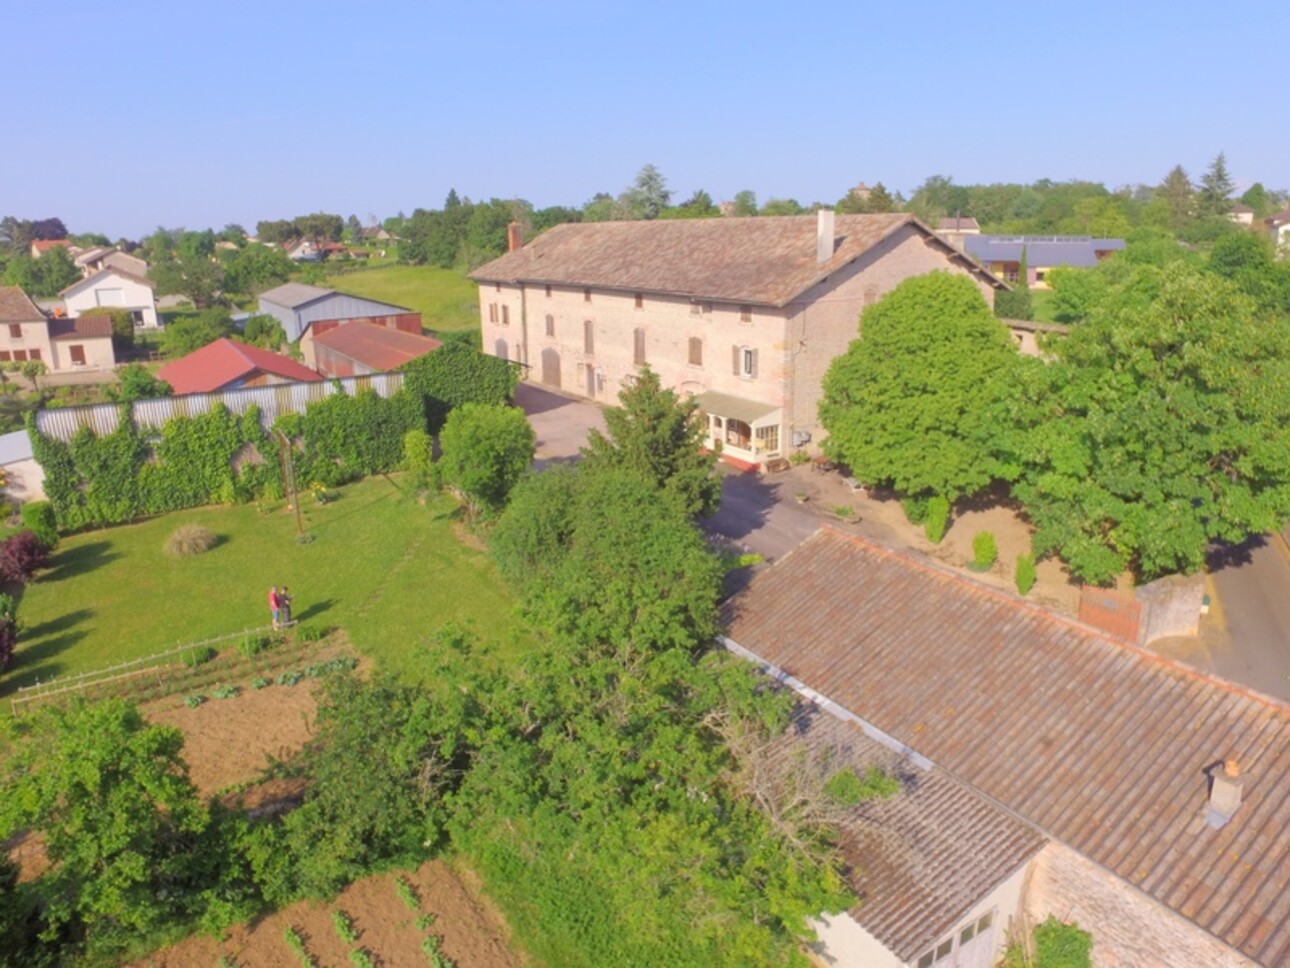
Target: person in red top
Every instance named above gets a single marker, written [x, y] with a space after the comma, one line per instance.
[274, 604]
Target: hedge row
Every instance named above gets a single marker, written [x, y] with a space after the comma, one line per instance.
[223, 458]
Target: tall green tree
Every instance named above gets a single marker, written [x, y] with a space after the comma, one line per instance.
[648, 196]
[745, 203]
[637, 575]
[1178, 197]
[190, 272]
[486, 450]
[656, 434]
[1159, 427]
[122, 824]
[921, 401]
[1216, 186]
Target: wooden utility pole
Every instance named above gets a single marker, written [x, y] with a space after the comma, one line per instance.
[287, 461]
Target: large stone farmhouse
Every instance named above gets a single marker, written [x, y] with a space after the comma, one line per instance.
[1047, 769]
[744, 313]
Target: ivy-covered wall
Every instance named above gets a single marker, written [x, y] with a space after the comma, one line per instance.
[222, 458]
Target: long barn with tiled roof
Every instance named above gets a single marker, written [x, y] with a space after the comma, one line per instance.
[1164, 792]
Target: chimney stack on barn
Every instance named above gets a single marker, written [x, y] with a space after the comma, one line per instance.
[824, 236]
[514, 237]
[1224, 794]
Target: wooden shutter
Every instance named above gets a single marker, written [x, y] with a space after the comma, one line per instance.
[735, 353]
[550, 325]
[588, 337]
[752, 370]
[696, 351]
[639, 339]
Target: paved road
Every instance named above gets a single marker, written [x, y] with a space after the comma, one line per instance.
[1247, 633]
[755, 512]
[560, 423]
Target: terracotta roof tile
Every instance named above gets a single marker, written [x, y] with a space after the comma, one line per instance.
[16, 306]
[762, 261]
[378, 347]
[224, 361]
[1095, 743]
[82, 327]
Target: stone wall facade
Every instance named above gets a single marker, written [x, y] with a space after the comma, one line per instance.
[589, 342]
[1130, 929]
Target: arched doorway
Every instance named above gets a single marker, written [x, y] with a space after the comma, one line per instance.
[551, 367]
[499, 350]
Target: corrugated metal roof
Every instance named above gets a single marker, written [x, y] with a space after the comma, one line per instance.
[292, 295]
[1098, 744]
[63, 423]
[758, 261]
[922, 859]
[224, 361]
[377, 347]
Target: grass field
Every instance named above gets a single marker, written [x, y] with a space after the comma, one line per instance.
[1042, 301]
[385, 568]
[446, 299]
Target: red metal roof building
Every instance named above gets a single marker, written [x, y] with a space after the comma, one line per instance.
[358, 348]
[228, 365]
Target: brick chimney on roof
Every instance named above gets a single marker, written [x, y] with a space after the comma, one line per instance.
[514, 237]
[1224, 794]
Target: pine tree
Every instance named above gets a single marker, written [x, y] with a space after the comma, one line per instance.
[1179, 197]
[1215, 188]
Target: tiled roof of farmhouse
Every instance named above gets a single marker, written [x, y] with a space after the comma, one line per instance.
[16, 306]
[1097, 744]
[762, 261]
[922, 858]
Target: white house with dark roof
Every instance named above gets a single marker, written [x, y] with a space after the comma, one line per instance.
[1161, 792]
[746, 314]
[114, 288]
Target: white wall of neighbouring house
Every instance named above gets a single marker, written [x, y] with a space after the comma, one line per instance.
[118, 292]
[843, 943]
[98, 354]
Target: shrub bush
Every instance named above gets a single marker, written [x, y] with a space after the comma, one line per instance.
[189, 540]
[985, 551]
[417, 457]
[199, 656]
[1060, 945]
[38, 518]
[915, 509]
[254, 645]
[311, 633]
[20, 555]
[1025, 574]
[8, 629]
[936, 519]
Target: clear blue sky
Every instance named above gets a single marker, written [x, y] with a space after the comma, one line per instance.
[123, 116]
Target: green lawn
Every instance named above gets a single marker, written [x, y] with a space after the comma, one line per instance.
[1042, 301]
[446, 299]
[381, 566]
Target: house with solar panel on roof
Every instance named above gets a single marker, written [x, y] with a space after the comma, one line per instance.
[745, 314]
[1003, 254]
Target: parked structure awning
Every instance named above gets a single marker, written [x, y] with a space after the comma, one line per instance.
[725, 405]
